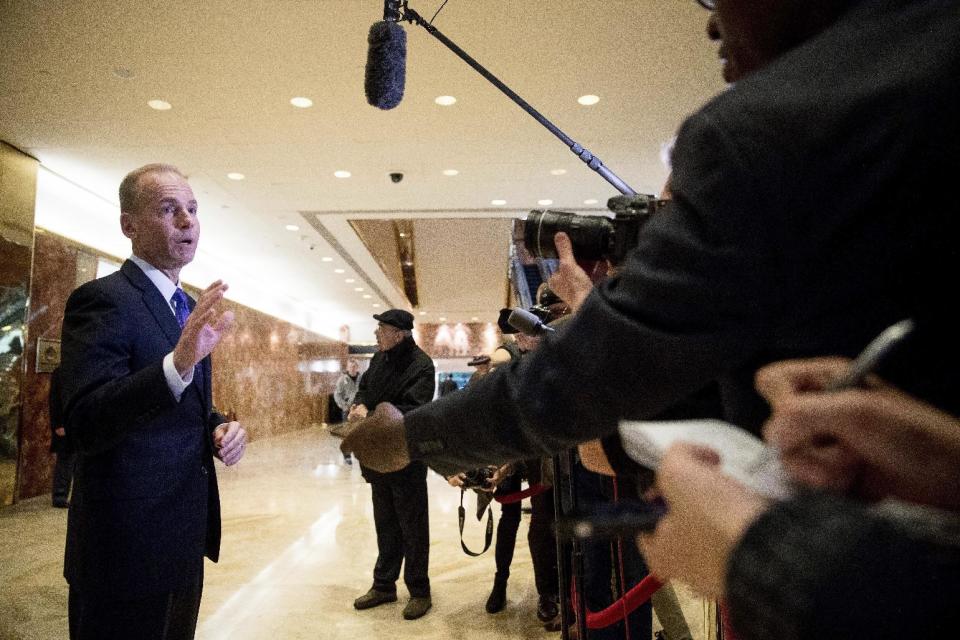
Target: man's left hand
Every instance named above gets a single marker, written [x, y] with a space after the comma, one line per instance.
[230, 442]
[379, 441]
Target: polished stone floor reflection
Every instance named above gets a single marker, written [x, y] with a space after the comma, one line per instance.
[298, 547]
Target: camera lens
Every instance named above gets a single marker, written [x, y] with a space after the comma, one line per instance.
[591, 236]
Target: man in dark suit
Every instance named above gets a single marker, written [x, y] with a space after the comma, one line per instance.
[137, 402]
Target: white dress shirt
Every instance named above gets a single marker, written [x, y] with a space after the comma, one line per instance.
[167, 288]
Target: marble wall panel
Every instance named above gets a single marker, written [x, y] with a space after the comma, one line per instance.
[54, 277]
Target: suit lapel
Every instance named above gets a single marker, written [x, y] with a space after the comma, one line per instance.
[159, 308]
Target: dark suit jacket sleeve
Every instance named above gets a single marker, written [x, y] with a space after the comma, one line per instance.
[103, 398]
[688, 306]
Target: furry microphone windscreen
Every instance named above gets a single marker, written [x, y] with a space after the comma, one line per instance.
[386, 64]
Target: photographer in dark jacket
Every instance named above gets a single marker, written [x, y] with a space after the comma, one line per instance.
[750, 263]
[403, 375]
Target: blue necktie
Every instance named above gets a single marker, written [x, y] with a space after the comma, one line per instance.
[181, 309]
[180, 306]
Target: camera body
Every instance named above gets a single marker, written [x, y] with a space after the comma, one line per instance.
[477, 478]
[593, 237]
[396, 177]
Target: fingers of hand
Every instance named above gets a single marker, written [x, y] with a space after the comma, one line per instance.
[232, 433]
[683, 464]
[790, 377]
[210, 296]
[225, 322]
[564, 247]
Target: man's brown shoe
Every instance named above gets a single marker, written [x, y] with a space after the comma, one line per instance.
[374, 598]
[416, 608]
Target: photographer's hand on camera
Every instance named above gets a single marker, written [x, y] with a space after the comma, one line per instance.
[570, 282]
[357, 412]
[379, 440]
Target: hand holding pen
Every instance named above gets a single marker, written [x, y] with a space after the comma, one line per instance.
[837, 429]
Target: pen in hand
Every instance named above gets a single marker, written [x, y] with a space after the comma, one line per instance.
[872, 355]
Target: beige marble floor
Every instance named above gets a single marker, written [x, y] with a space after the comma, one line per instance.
[298, 547]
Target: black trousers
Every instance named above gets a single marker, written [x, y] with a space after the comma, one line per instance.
[543, 545]
[507, 527]
[164, 616]
[403, 535]
[63, 474]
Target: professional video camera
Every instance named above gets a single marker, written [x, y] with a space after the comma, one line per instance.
[593, 237]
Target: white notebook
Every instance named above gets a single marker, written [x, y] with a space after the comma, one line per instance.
[744, 457]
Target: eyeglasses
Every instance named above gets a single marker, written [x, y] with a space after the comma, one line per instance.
[707, 4]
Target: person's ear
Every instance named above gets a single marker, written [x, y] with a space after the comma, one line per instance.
[128, 225]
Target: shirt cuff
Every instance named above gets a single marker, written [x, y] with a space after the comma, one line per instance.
[177, 384]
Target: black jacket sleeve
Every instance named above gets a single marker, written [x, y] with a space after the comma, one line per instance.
[102, 397]
[820, 567]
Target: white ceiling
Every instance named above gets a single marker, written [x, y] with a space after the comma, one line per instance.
[230, 67]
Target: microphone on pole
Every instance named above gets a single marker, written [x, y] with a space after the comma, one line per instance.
[386, 59]
[528, 323]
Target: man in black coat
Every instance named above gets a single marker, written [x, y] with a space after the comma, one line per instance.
[403, 375]
[136, 396]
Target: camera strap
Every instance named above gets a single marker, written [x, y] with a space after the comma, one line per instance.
[488, 536]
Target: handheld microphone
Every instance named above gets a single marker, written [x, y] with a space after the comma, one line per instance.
[528, 323]
[386, 59]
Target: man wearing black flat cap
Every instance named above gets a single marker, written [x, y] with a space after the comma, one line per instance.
[403, 375]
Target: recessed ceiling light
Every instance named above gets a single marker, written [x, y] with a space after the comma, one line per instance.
[445, 101]
[159, 105]
[301, 102]
[498, 203]
[376, 304]
[349, 280]
[423, 313]
[557, 172]
[342, 174]
[326, 259]
[367, 296]
[474, 318]
[450, 172]
[442, 319]
[233, 175]
[588, 100]
[545, 202]
[292, 227]
[358, 289]
[339, 270]
[590, 201]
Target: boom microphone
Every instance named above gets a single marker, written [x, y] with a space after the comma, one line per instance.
[386, 59]
[528, 323]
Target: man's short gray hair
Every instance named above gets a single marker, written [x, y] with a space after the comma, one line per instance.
[130, 186]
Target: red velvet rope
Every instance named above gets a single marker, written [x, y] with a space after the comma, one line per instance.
[529, 492]
[626, 605]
